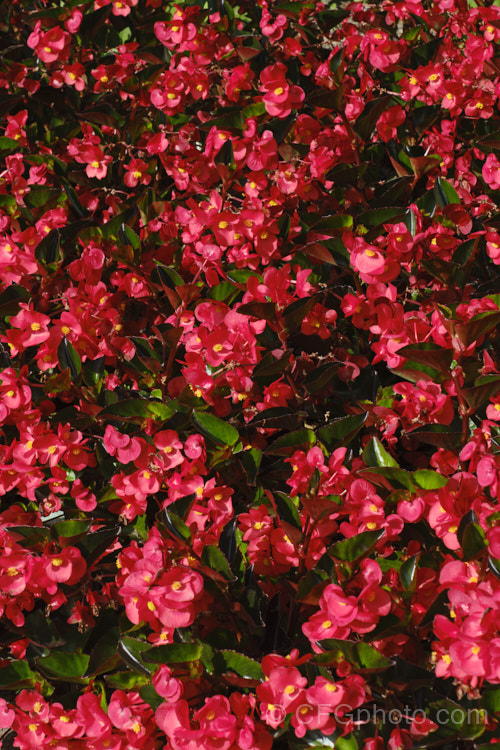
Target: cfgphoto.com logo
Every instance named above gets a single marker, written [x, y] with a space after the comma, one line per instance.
[344, 714]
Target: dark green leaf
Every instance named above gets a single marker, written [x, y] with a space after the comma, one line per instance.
[477, 326]
[231, 661]
[429, 480]
[483, 389]
[295, 313]
[445, 193]
[138, 407]
[131, 650]
[357, 546]
[283, 445]
[341, 431]
[69, 529]
[376, 455]
[429, 355]
[338, 221]
[150, 696]
[15, 675]
[260, 310]
[474, 541]
[127, 680]
[69, 357]
[215, 559]
[494, 566]
[65, 666]
[173, 653]
[408, 572]
[287, 510]
[490, 701]
[175, 525]
[396, 478]
[47, 251]
[216, 429]
[360, 654]
[93, 371]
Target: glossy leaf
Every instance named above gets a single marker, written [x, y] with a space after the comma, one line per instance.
[216, 429]
[357, 546]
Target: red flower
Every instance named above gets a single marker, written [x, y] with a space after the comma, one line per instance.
[280, 97]
[389, 121]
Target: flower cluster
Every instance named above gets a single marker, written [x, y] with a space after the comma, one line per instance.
[249, 374]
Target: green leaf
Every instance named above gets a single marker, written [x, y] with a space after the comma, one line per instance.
[396, 477]
[366, 123]
[482, 390]
[445, 193]
[339, 221]
[408, 572]
[39, 196]
[429, 480]
[295, 313]
[216, 560]
[490, 701]
[8, 204]
[69, 357]
[294, 439]
[341, 431]
[138, 407]
[8, 143]
[93, 545]
[131, 650]
[104, 655]
[173, 653]
[175, 525]
[360, 654]
[93, 371]
[376, 455]
[494, 565]
[15, 675]
[357, 546]
[318, 378]
[30, 535]
[47, 251]
[65, 666]
[150, 696]
[126, 680]
[287, 511]
[477, 326]
[170, 274]
[474, 541]
[127, 235]
[231, 661]
[74, 199]
[429, 355]
[251, 460]
[67, 529]
[259, 310]
[348, 742]
[253, 110]
[216, 429]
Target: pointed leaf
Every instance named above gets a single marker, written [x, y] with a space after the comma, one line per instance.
[341, 431]
[445, 193]
[69, 357]
[216, 429]
[231, 661]
[173, 653]
[215, 559]
[429, 480]
[376, 455]
[131, 650]
[357, 546]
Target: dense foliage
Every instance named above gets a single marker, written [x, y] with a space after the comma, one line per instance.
[250, 374]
